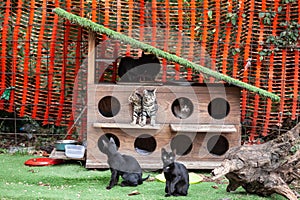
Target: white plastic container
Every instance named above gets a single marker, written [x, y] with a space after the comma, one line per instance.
[74, 151]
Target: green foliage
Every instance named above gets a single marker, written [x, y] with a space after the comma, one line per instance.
[288, 38]
[264, 52]
[288, 1]
[235, 51]
[210, 13]
[6, 93]
[148, 48]
[267, 17]
[231, 18]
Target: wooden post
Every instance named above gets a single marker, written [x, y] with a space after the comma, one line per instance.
[91, 58]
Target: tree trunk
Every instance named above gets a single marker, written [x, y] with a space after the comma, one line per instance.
[266, 168]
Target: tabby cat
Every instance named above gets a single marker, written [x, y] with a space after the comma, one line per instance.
[136, 100]
[149, 106]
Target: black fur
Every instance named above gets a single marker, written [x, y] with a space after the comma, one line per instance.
[122, 165]
[144, 68]
[176, 174]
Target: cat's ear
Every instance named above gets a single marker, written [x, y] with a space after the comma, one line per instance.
[137, 92]
[104, 143]
[174, 152]
[163, 150]
[154, 90]
[112, 140]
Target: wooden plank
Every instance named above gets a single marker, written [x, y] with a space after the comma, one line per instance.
[61, 155]
[203, 128]
[126, 126]
[91, 58]
[90, 164]
[108, 61]
[165, 97]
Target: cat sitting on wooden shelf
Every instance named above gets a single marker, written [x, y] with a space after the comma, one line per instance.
[144, 106]
[144, 68]
[149, 107]
[137, 108]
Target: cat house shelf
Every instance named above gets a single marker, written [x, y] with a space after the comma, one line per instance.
[126, 126]
[203, 128]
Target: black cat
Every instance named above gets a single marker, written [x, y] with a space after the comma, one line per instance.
[176, 174]
[122, 165]
[145, 68]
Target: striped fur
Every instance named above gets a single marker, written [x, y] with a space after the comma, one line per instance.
[149, 106]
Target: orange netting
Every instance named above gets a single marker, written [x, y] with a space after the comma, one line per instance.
[41, 54]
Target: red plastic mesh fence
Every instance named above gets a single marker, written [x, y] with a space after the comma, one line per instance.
[41, 53]
[40, 57]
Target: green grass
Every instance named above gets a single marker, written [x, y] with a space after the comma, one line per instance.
[73, 181]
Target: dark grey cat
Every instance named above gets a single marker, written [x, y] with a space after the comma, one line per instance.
[144, 68]
[122, 165]
[176, 174]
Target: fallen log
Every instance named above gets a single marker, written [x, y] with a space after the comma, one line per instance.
[266, 168]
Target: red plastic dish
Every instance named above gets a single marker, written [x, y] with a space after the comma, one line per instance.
[42, 161]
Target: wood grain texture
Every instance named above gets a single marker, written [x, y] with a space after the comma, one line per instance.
[199, 137]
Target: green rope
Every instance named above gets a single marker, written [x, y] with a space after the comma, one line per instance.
[148, 48]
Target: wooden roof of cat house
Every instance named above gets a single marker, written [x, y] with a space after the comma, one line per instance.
[97, 28]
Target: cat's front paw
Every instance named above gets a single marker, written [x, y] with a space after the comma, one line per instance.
[108, 187]
[142, 124]
[167, 195]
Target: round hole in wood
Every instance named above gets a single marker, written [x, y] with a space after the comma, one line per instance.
[109, 106]
[182, 108]
[218, 108]
[106, 137]
[145, 144]
[217, 145]
[182, 144]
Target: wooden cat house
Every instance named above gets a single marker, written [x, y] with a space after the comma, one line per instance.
[201, 122]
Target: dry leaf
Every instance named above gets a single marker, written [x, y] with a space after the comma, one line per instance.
[135, 192]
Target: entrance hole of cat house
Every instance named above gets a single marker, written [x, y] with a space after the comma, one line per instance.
[182, 144]
[109, 106]
[145, 144]
[217, 145]
[106, 137]
[182, 107]
[218, 108]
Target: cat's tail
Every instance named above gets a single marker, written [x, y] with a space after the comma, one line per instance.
[143, 179]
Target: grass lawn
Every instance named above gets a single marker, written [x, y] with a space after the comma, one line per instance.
[73, 181]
